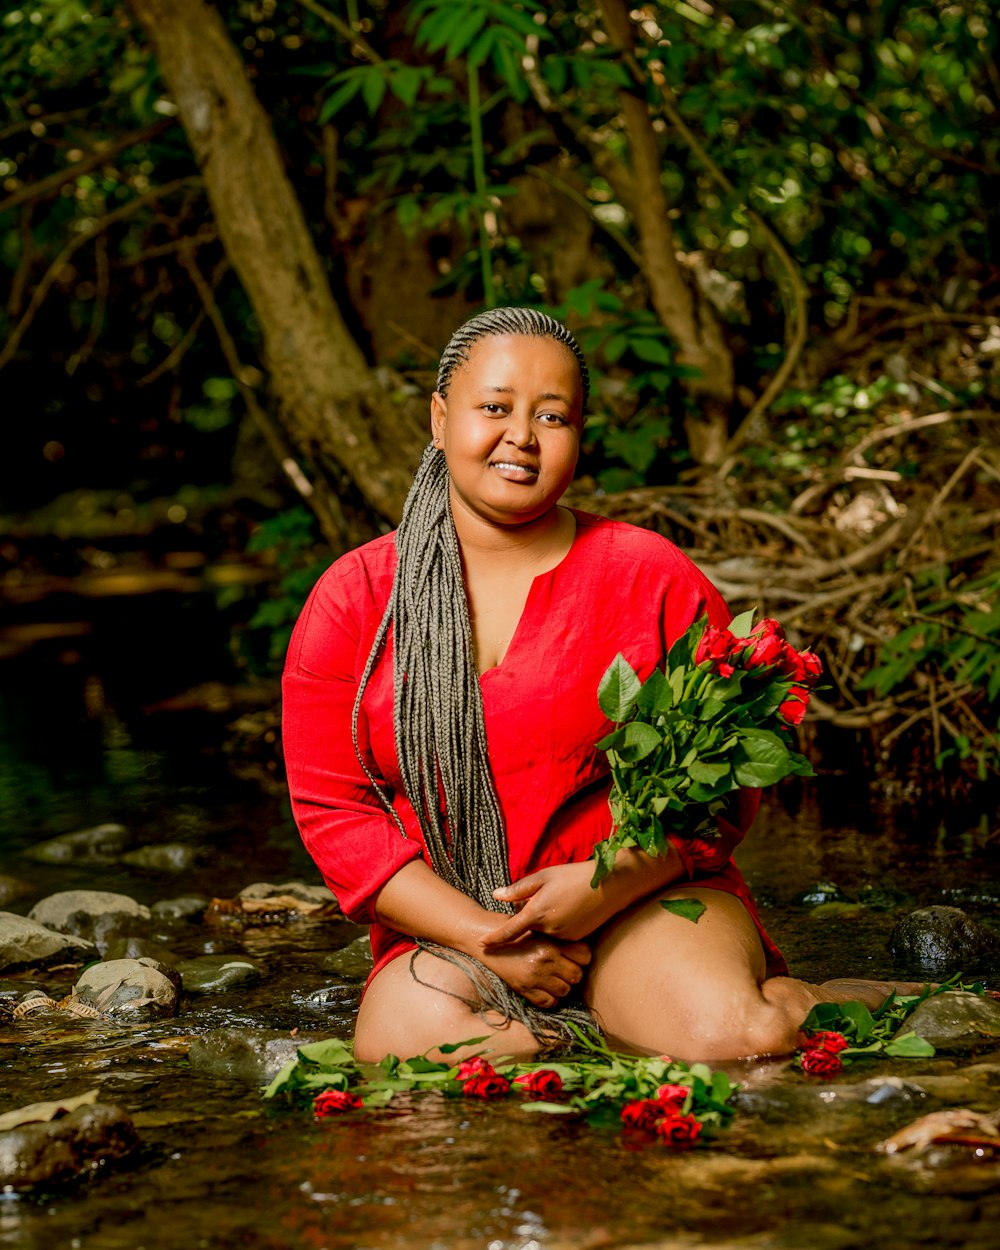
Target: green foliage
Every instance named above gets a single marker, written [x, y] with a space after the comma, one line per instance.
[948, 630]
[291, 539]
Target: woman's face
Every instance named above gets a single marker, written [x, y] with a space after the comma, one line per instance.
[510, 427]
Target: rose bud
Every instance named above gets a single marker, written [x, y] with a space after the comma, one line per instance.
[793, 710]
[716, 647]
[486, 1085]
[473, 1066]
[821, 1063]
[335, 1102]
[672, 1094]
[679, 1131]
[832, 1043]
[540, 1084]
[644, 1113]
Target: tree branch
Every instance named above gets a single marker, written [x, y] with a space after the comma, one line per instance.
[49, 186]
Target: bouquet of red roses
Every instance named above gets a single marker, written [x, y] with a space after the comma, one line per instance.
[716, 718]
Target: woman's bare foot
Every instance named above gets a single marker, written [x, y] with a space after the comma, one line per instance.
[871, 993]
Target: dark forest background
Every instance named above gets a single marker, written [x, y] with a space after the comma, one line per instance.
[234, 238]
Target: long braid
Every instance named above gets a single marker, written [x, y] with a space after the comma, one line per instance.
[438, 716]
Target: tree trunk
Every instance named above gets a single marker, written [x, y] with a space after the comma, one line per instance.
[327, 396]
[689, 319]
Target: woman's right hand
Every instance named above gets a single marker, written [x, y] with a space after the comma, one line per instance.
[540, 969]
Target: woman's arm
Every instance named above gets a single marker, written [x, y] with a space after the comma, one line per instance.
[415, 900]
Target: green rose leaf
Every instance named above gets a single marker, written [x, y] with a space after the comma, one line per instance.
[619, 687]
[706, 773]
[909, 1046]
[549, 1108]
[655, 696]
[761, 761]
[687, 908]
[741, 625]
[638, 740]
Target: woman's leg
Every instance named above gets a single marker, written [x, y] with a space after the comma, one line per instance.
[659, 984]
[402, 1016]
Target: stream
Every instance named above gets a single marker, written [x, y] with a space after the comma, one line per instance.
[219, 1167]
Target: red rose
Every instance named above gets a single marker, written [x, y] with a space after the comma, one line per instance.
[765, 651]
[644, 1113]
[820, 1063]
[793, 710]
[542, 1084]
[768, 628]
[486, 1085]
[804, 666]
[471, 1067]
[679, 1131]
[716, 647]
[832, 1043]
[672, 1094]
[335, 1102]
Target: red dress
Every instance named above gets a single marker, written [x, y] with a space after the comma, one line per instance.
[619, 588]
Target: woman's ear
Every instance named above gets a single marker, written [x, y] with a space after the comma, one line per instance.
[439, 418]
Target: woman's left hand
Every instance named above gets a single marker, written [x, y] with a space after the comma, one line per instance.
[557, 901]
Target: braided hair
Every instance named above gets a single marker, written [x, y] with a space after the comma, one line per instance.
[438, 717]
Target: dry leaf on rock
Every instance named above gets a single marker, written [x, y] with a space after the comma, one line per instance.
[42, 1112]
[960, 1126]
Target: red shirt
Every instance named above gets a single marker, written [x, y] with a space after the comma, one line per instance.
[619, 588]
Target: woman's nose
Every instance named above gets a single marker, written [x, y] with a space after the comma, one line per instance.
[520, 429]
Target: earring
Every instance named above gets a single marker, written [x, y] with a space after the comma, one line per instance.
[437, 442]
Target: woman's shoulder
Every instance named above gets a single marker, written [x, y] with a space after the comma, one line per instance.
[360, 576]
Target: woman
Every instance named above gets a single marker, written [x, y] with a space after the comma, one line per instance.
[440, 720]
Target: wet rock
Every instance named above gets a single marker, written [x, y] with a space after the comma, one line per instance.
[24, 943]
[821, 892]
[353, 961]
[214, 974]
[130, 989]
[318, 894]
[66, 1148]
[189, 907]
[330, 996]
[956, 1019]
[252, 1055]
[95, 915]
[168, 857]
[140, 948]
[942, 940]
[102, 844]
[12, 888]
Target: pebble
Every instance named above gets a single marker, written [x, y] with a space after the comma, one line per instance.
[95, 915]
[130, 989]
[215, 974]
[167, 857]
[24, 943]
[101, 844]
[65, 1148]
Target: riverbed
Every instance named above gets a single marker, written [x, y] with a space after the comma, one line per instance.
[219, 1167]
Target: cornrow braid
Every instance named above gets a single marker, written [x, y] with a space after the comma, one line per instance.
[438, 719]
[527, 321]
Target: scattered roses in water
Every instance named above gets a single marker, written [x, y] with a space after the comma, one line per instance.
[679, 1131]
[335, 1102]
[486, 1085]
[822, 1056]
[543, 1083]
[820, 1063]
[471, 1067]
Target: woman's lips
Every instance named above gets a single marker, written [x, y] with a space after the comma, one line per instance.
[513, 472]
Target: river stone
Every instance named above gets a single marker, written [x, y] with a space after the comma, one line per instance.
[167, 857]
[24, 943]
[102, 844]
[295, 889]
[130, 989]
[140, 948]
[185, 908]
[942, 939]
[12, 888]
[252, 1055]
[63, 1149]
[956, 1019]
[96, 915]
[214, 974]
[353, 961]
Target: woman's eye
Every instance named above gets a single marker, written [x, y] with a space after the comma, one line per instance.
[493, 409]
[552, 418]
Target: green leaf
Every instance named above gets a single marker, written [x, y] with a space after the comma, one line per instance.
[638, 741]
[449, 1048]
[687, 908]
[709, 774]
[330, 1053]
[909, 1046]
[741, 625]
[858, 1015]
[618, 689]
[655, 695]
[282, 1079]
[760, 761]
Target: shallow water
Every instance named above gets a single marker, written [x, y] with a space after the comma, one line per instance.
[218, 1167]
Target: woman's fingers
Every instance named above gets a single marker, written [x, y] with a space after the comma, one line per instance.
[509, 931]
